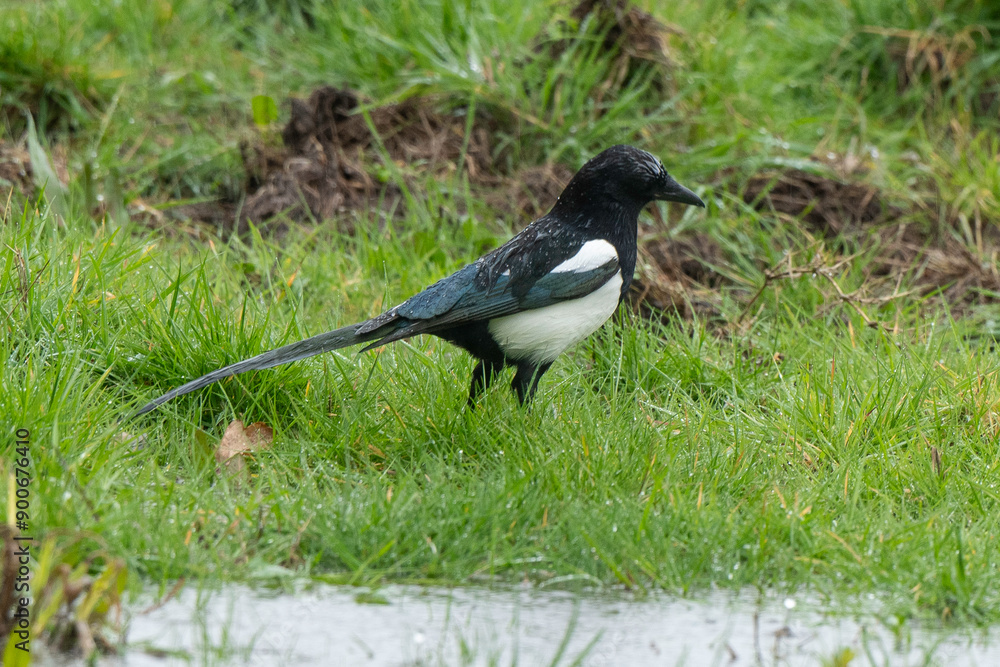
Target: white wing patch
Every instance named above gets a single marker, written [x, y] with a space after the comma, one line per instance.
[542, 334]
[592, 255]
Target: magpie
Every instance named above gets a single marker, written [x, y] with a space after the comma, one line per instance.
[525, 303]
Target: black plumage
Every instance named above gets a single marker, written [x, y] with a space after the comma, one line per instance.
[553, 281]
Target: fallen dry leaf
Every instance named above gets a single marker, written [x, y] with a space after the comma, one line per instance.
[239, 441]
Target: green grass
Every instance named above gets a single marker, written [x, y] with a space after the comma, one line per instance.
[785, 448]
[655, 455]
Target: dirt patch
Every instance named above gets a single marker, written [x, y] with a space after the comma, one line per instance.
[987, 102]
[963, 278]
[637, 39]
[828, 205]
[928, 57]
[17, 178]
[331, 149]
[924, 257]
[414, 131]
[330, 154]
[676, 276]
[529, 193]
[333, 155]
[15, 169]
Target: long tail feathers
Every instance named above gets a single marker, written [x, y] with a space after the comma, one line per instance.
[324, 342]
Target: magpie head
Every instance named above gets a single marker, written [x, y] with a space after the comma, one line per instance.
[629, 175]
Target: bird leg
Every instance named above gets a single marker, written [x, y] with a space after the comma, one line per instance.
[526, 381]
[482, 377]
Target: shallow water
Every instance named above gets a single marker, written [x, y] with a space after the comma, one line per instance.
[410, 625]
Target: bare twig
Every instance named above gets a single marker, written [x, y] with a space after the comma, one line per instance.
[786, 269]
[777, 273]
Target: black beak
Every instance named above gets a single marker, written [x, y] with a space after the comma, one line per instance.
[678, 193]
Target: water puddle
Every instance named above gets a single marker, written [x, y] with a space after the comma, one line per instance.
[410, 625]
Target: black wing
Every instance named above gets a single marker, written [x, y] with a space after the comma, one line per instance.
[515, 277]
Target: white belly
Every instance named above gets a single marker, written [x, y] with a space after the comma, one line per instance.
[543, 334]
